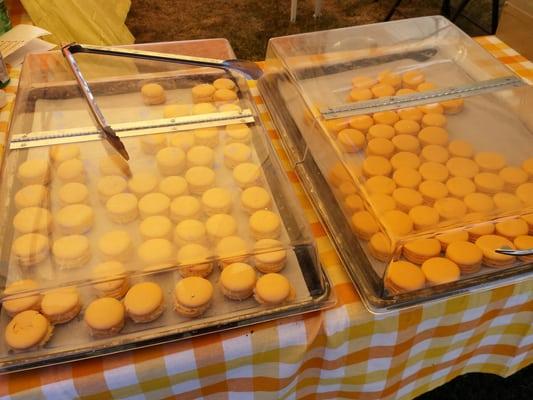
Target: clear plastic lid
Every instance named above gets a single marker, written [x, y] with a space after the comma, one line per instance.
[363, 66]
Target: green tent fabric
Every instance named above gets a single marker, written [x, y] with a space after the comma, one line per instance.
[99, 22]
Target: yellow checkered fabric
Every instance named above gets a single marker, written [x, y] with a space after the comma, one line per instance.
[344, 352]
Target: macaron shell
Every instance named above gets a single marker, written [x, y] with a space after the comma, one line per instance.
[272, 288]
[143, 298]
[193, 291]
[238, 277]
[104, 313]
[26, 330]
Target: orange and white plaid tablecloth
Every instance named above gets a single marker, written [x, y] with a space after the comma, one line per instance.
[344, 352]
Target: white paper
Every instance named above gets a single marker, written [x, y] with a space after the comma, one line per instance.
[33, 46]
[21, 37]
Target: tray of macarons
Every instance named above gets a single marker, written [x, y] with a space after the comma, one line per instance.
[199, 232]
[418, 196]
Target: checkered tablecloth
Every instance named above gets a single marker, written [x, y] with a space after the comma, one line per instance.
[344, 352]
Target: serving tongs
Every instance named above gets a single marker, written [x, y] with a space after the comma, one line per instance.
[513, 252]
[247, 68]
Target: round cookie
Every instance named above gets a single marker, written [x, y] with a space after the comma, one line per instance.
[71, 171]
[380, 184]
[407, 127]
[403, 276]
[60, 306]
[488, 243]
[524, 242]
[116, 245]
[424, 217]
[33, 219]
[432, 191]
[122, 208]
[351, 140]
[432, 171]
[28, 330]
[433, 135]
[144, 302]
[525, 193]
[156, 227]
[450, 237]
[488, 182]
[110, 185]
[19, 304]
[142, 183]
[405, 159]
[364, 225]
[173, 186]
[189, 231]
[440, 270]
[233, 249]
[237, 281]
[459, 186]
[151, 144]
[490, 161]
[216, 201]
[170, 161]
[462, 167]
[507, 201]
[74, 219]
[152, 94]
[513, 177]
[385, 117]
[450, 208]
[247, 175]
[381, 203]
[406, 198]
[34, 172]
[479, 202]
[273, 289]
[156, 254]
[380, 147]
[381, 247]
[435, 153]
[512, 228]
[466, 255]
[30, 249]
[104, 317]
[255, 198]
[375, 165]
[265, 224]
[153, 204]
[434, 119]
[192, 296]
[184, 207]
[460, 148]
[407, 178]
[362, 123]
[73, 193]
[381, 131]
[397, 222]
[420, 250]
[63, 152]
[199, 179]
[71, 251]
[363, 82]
[408, 143]
[235, 154]
[206, 137]
[32, 196]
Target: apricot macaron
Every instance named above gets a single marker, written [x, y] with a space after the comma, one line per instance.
[524, 242]
[20, 302]
[424, 217]
[488, 244]
[61, 305]
[192, 296]
[403, 276]
[419, 250]
[381, 247]
[397, 222]
[237, 281]
[439, 270]
[432, 191]
[28, 330]
[364, 225]
[466, 255]
[447, 238]
[273, 289]
[512, 228]
[144, 302]
[269, 255]
[104, 317]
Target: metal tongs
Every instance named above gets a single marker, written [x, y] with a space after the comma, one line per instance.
[513, 252]
[248, 68]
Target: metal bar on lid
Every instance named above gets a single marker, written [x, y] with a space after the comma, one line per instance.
[410, 100]
[129, 129]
